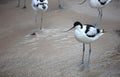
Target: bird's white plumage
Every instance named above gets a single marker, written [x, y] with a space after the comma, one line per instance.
[92, 30]
[97, 3]
[38, 4]
[81, 36]
[86, 34]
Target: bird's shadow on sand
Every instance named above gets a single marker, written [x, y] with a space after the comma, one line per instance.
[84, 67]
[117, 32]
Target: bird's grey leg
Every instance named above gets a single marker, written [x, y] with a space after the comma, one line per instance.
[83, 53]
[24, 7]
[18, 4]
[99, 17]
[41, 22]
[35, 17]
[89, 54]
[101, 14]
[60, 4]
[36, 12]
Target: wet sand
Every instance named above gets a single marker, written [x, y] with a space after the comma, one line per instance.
[54, 53]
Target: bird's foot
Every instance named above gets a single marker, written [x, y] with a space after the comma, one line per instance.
[41, 29]
[82, 63]
[60, 6]
[36, 34]
[33, 34]
[24, 7]
[82, 67]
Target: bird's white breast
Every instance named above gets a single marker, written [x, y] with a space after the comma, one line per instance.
[81, 36]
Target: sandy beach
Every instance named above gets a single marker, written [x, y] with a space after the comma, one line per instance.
[53, 52]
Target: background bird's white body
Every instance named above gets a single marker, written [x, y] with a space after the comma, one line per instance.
[81, 36]
[40, 7]
[97, 4]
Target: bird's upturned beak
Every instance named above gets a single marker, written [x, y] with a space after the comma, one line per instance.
[70, 29]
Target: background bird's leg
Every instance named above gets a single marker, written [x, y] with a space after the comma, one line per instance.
[99, 18]
[36, 12]
[82, 2]
[60, 4]
[101, 14]
[41, 22]
[18, 4]
[83, 53]
[89, 54]
[24, 7]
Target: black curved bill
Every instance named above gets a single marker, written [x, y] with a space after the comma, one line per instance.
[70, 29]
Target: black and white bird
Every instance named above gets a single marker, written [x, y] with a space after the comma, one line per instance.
[42, 6]
[98, 4]
[86, 34]
[24, 4]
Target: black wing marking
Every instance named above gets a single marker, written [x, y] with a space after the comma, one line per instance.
[93, 33]
[88, 28]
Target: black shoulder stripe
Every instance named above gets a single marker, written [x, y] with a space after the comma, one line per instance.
[88, 27]
[91, 35]
[81, 26]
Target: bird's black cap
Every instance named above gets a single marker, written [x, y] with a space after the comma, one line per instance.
[41, 0]
[75, 24]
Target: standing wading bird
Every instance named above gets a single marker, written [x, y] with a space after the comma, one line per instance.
[39, 5]
[24, 6]
[86, 34]
[98, 4]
